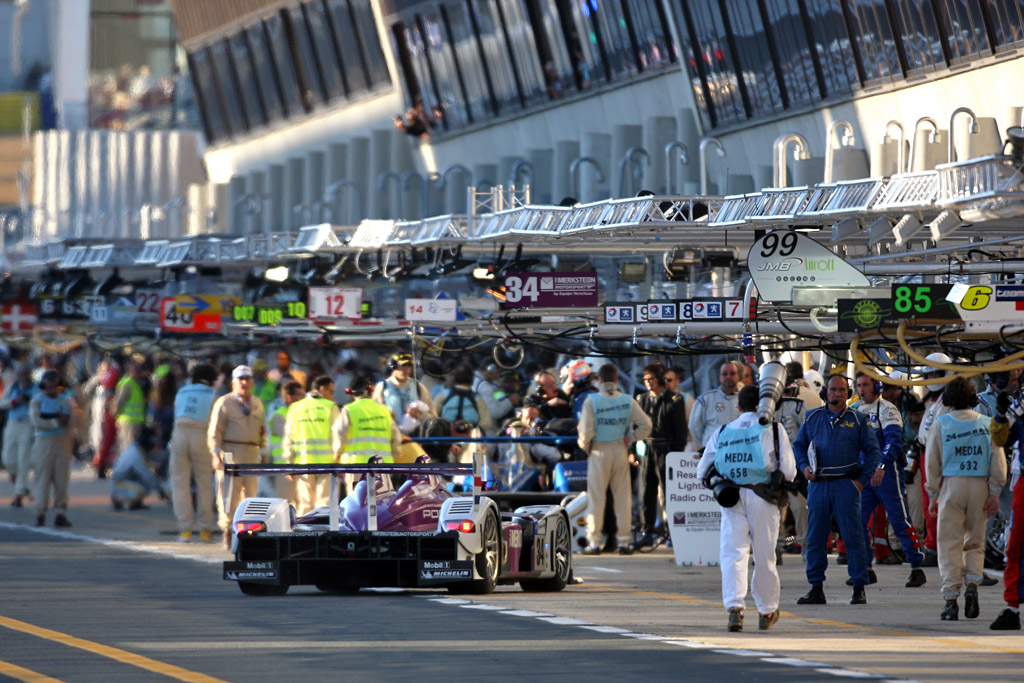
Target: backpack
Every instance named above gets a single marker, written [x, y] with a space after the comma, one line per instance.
[460, 404]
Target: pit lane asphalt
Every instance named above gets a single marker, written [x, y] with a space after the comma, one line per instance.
[144, 607]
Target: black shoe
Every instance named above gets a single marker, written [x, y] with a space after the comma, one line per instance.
[625, 549]
[917, 578]
[858, 597]
[117, 505]
[138, 505]
[987, 580]
[591, 550]
[815, 596]
[41, 520]
[971, 609]
[951, 612]
[872, 578]
[735, 621]
[778, 556]
[1006, 621]
[930, 559]
[646, 541]
[17, 501]
[101, 473]
[841, 558]
[61, 521]
[609, 547]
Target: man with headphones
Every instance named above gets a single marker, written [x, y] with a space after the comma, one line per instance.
[668, 433]
[401, 389]
[838, 453]
[887, 486]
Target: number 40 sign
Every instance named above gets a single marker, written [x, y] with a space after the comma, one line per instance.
[327, 303]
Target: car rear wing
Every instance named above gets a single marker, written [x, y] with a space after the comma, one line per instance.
[372, 468]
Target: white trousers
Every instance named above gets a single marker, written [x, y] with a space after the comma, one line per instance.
[312, 491]
[753, 521]
[18, 453]
[608, 465]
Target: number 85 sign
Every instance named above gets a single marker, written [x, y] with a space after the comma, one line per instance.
[327, 303]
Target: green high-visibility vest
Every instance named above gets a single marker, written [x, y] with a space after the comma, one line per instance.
[369, 432]
[266, 392]
[134, 410]
[311, 431]
[277, 440]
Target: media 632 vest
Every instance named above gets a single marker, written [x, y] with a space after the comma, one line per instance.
[194, 402]
[966, 446]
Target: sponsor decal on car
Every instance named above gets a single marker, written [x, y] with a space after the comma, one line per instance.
[442, 571]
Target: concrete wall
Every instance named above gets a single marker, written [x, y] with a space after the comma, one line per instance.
[35, 42]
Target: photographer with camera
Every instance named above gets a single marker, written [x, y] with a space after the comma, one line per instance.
[838, 453]
[50, 416]
[753, 457]
[17, 453]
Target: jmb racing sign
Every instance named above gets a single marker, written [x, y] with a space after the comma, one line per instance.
[784, 259]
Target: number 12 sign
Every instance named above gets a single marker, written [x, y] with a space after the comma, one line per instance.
[327, 303]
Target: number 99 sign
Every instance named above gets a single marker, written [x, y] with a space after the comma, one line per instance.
[326, 303]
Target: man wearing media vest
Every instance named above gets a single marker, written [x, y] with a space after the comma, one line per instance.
[965, 474]
[838, 452]
[609, 422]
[307, 441]
[747, 453]
[190, 455]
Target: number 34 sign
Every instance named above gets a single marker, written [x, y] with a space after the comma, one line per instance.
[331, 303]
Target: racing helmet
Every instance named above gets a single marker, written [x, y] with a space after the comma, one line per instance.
[941, 359]
[575, 370]
[396, 360]
[814, 378]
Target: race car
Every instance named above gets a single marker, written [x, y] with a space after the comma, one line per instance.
[419, 535]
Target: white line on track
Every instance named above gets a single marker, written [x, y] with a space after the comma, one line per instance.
[124, 545]
[600, 569]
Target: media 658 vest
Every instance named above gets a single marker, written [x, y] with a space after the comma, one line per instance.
[611, 416]
[311, 431]
[369, 432]
[277, 440]
[739, 457]
[966, 446]
[194, 402]
[134, 410]
[49, 407]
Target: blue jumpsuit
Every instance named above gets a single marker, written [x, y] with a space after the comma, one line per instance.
[891, 493]
[844, 448]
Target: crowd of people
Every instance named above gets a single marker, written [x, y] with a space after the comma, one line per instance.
[833, 465]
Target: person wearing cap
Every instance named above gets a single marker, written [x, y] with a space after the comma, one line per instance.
[307, 441]
[190, 455]
[237, 434]
[50, 416]
[748, 453]
[262, 386]
[500, 404]
[965, 471]
[365, 428]
[400, 389]
[129, 403]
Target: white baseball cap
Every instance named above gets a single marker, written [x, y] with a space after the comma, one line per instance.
[241, 371]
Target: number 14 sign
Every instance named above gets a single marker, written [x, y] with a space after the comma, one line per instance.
[328, 303]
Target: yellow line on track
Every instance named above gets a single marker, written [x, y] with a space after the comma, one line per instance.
[114, 653]
[20, 673]
[822, 622]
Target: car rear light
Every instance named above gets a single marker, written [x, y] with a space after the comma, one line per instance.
[242, 527]
[465, 526]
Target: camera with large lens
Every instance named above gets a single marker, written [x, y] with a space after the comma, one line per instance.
[726, 492]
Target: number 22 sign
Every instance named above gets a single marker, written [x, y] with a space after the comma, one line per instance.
[326, 303]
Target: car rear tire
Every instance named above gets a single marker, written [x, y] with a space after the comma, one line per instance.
[562, 560]
[488, 560]
[250, 588]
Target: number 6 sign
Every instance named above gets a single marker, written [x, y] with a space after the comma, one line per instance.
[327, 303]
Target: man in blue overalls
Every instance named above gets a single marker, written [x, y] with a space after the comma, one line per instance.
[838, 453]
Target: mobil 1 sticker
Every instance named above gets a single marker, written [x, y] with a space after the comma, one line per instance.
[661, 311]
[443, 571]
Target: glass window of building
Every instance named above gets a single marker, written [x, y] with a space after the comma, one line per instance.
[369, 41]
[227, 86]
[968, 38]
[287, 79]
[467, 52]
[796, 62]
[620, 56]
[552, 46]
[759, 86]
[343, 25]
[832, 42]
[496, 54]
[875, 41]
[306, 70]
[920, 37]
[1007, 17]
[723, 104]
[265, 81]
[532, 81]
[328, 63]
[242, 64]
[654, 41]
[421, 81]
[588, 53]
[214, 121]
[452, 101]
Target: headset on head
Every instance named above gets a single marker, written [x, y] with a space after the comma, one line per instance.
[398, 359]
[658, 372]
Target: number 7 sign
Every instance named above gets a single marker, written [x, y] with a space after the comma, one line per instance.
[330, 303]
